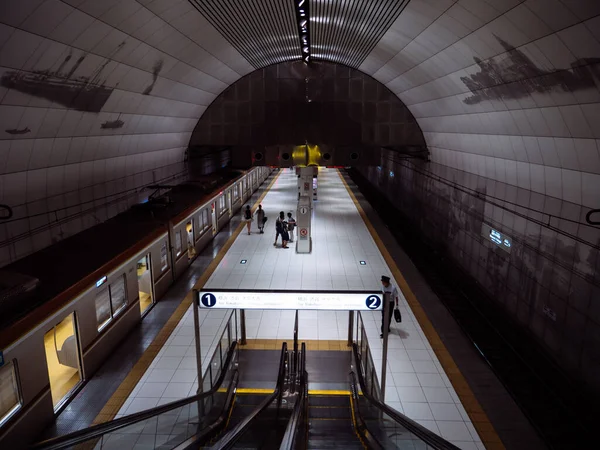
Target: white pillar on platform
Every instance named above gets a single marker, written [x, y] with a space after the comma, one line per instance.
[304, 212]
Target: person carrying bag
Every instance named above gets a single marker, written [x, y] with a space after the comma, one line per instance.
[389, 288]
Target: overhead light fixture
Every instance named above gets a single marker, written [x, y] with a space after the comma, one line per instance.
[363, 263]
[243, 261]
[303, 19]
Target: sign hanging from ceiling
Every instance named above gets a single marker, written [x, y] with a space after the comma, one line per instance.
[323, 300]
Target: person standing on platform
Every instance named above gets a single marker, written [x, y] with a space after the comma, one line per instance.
[260, 219]
[390, 289]
[285, 235]
[248, 217]
[281, 229]
[291, 226]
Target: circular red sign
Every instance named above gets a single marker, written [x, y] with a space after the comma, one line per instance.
[303, 231]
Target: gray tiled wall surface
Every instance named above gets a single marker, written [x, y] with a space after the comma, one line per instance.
[550, 280]
[97, 99]
[291, 103]
[101, 96]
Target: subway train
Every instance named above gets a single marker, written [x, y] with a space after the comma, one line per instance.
[84, 310]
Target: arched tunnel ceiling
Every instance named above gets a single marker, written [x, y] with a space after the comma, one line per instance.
[98, 98]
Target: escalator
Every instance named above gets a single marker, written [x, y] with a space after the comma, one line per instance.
[238, 412]
[266, 430]
[227, 415]
[331, 424]
[351, 418]
[256, 417]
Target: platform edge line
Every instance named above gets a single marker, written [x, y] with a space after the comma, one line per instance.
[122, 393]
[477, 415]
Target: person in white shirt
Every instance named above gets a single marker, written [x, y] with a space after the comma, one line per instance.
[388, 288]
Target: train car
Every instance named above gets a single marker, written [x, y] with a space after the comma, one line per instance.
[47, 355]
[193, 228]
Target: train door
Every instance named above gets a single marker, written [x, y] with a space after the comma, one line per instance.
[145, 285]
[63, 360]
[228, 200]
[189, 232]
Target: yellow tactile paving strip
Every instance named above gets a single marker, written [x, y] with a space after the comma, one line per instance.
[480, 420]
[275, 344]
[124, 390]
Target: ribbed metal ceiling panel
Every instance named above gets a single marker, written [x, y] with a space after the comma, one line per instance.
[345, 31]
[263, 31]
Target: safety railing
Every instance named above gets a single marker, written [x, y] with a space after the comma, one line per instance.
[229, 439]
[299, 419]
[360, 426]
[367, 365]
[383, 424]
[215, 366]
[172, 423]
[294, 359]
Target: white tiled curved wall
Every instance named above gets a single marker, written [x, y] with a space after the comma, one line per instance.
[159, 63]
[505, 89]
[524, 133]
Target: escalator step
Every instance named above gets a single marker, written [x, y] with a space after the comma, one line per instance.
[329, 400]
[332, 433]
[323, 444]
[250, 399]
[323, 425]
[329, 413]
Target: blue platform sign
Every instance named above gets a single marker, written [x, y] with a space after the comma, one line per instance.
[373, 302]
[1, 359]
[208, 300]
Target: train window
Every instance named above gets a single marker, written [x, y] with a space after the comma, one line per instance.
[10, 400]
[103, 314]
[110, 301]
[118, 295]
[164, 260]
[206, 220]
[200, 227]
[222, 207]
[178, 243]
[62, 359]
[236, 192]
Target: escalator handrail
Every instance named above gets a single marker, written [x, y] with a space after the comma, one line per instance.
[289, 438]
[229, 439]
[86, 434]
[362, 430]
[210, 431]
[413, 427]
